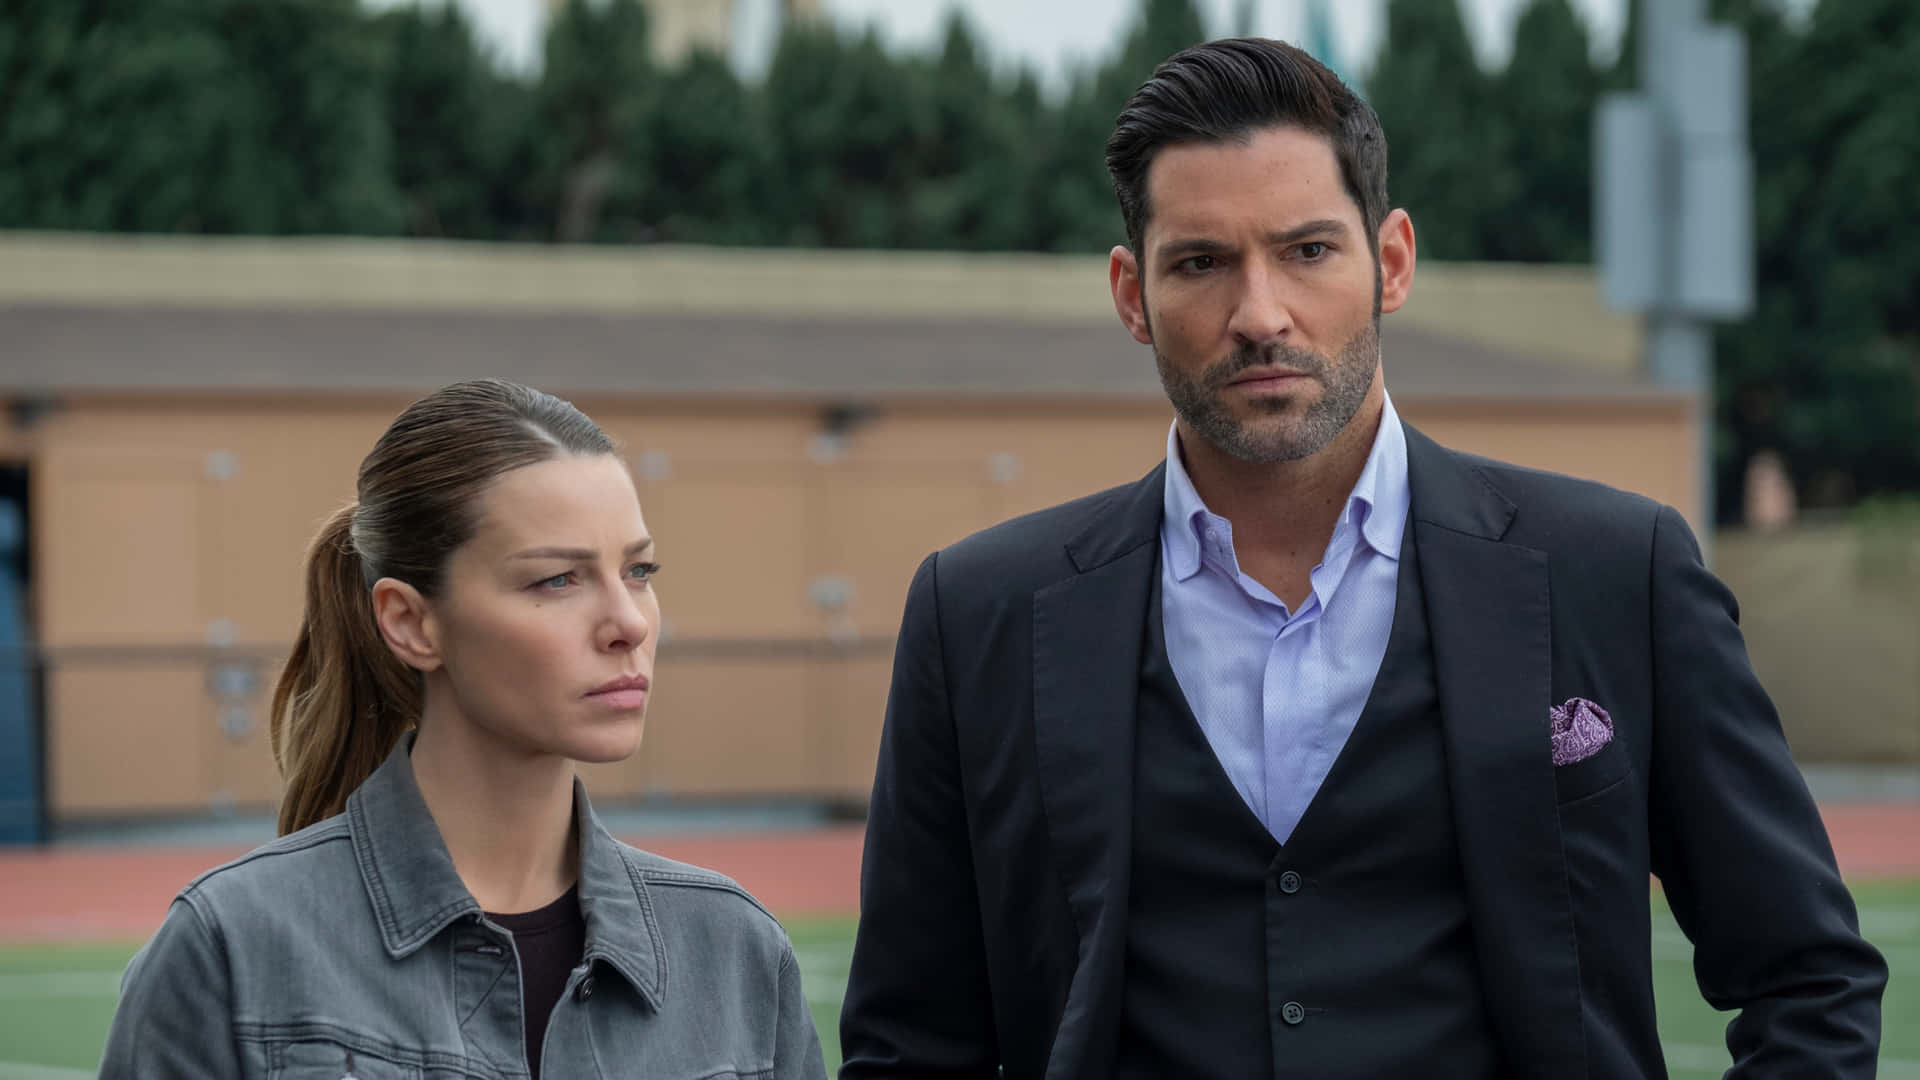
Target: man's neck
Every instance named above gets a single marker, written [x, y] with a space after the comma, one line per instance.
[506, 817]
[1284, 514]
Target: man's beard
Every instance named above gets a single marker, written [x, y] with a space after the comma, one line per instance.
[1344, 380]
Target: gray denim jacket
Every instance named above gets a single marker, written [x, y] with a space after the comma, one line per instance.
[351, 949]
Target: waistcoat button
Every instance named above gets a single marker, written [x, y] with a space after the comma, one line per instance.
[1293, 1012]
[1290, 883]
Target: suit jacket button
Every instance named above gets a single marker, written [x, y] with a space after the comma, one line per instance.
[1290, 883]
[1293, 1012]
[584, 991]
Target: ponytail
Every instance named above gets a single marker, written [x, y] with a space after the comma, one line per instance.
[343, 699]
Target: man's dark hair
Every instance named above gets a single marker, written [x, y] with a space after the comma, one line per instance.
[1225, 90]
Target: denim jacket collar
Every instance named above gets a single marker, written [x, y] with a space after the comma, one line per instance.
[416, 893]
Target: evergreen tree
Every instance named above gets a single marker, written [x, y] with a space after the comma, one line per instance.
[590, 138]
[1545, 99]
[455, 122]
[1082, 212]
[193, 115]
[710, 159]
[1824, 371]
[979, 155]
[1443, 135]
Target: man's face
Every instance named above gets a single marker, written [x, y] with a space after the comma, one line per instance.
[1260, 293]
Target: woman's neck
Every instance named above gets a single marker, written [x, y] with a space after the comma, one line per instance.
[505, 814]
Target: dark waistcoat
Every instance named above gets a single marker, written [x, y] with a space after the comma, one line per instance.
[1347, 952]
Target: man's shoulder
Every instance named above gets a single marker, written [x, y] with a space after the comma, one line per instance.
[1553, 508]
[1037, 541]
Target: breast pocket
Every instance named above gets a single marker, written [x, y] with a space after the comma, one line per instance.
[332, 1061]
[1608, 766]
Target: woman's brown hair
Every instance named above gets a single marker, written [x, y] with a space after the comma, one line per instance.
[344, 698]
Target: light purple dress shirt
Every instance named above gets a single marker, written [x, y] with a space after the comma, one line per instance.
[1277, 693]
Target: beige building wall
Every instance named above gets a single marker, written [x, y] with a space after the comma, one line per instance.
[171, 531]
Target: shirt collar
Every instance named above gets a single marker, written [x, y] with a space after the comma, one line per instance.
[1378, 505]
[416, 893]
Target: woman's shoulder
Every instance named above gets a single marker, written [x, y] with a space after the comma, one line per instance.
[276, 874]
[702, 902]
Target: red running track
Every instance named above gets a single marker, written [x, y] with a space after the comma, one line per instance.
[122, 893]
[105, 894]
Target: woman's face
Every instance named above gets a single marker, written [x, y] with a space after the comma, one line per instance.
[547, 620]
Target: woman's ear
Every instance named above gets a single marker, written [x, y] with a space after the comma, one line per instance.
[407, 624]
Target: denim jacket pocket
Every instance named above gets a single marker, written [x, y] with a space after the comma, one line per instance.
[320, 1060]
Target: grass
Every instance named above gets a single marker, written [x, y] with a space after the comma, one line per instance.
[56, 1000]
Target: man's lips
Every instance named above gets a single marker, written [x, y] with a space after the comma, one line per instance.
[1266, 377]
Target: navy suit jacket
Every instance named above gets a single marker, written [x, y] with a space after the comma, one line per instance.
[994, 889]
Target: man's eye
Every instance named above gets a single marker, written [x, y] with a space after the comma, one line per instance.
[1313, 251]
[1197, 264]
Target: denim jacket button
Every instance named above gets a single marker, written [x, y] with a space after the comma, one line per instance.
[585, 990]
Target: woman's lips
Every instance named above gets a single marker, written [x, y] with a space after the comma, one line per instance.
[619, 699]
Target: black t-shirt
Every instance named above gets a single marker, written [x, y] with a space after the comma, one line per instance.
[550, 941]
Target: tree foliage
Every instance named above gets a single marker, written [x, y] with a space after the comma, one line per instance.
[1545, 141]
[320, 116]
[1443, 132]
[225, 116]
[1827, 370]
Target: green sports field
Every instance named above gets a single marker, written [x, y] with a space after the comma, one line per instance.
[56, 1000]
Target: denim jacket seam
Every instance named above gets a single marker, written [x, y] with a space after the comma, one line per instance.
[267, 1032]
[283, 846]
[370, 872]
[701, 881]
[653, 984]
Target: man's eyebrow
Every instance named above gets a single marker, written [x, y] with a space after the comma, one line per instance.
[1182, 246]
[1308, 230]
[1190, 245]
[567, 554]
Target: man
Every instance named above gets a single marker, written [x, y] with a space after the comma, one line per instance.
[1325, 751]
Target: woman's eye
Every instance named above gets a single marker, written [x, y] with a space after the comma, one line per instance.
[643, 571]
[557, 581]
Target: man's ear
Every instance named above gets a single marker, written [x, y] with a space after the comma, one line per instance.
[407, 624]
[1396, 260]
[1129, 300]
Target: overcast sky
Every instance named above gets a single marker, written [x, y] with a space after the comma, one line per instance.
[1054, 36]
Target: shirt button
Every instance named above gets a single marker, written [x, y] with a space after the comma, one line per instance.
[584, 991]
[1290, 883]
[1293, 1012]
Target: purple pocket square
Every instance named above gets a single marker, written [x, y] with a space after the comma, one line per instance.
[1580, 729]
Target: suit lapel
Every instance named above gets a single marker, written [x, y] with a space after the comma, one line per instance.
[1489, 609]
[1087, 635]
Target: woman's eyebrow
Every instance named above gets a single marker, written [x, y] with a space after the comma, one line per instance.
[568, 554]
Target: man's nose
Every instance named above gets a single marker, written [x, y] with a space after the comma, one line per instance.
[1261, 314]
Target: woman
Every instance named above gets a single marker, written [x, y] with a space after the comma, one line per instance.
[442, 901]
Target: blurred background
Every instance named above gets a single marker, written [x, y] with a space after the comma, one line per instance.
[833, 272]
